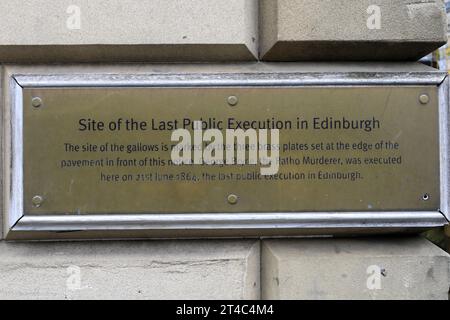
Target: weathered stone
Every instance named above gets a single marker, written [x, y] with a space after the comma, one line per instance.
[324, 30]
[377, 268]
[130, 270]
[128, 30]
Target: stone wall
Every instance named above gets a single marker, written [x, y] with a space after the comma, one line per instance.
[110, 31]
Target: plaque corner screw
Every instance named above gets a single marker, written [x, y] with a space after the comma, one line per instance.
[232, 100]
[424, 98]
[36, 102]
[426, 197]
[37, 201]
[232, 199]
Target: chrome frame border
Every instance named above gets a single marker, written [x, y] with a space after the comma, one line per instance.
[18, 226]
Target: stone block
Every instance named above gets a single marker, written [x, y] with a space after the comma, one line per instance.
[359, 268]
[292, 30]
[128, 30]
[211, 269]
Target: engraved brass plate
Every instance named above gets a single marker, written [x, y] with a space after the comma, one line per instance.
[387, 160]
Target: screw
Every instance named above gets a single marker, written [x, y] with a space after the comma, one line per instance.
[232, 199]
[37, 201]
[232, 100]
[426, 197]
[424, 98]
[36, 102]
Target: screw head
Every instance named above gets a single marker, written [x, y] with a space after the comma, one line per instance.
[426, 197]
[232, 199]
[37, 201]
[232, 100]
[36, 102]
[424, 98]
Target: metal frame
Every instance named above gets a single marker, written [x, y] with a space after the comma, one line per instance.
[20, 226]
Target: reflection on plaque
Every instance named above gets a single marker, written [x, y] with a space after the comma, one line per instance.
[108, 150]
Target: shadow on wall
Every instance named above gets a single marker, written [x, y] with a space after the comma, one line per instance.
[440, 237]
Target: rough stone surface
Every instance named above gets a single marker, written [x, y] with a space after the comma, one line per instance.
[322, 30]
[128, 30]
[211, 269]
[377, 268]
[410, 268]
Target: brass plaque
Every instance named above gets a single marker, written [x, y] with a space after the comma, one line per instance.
[108, 150]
